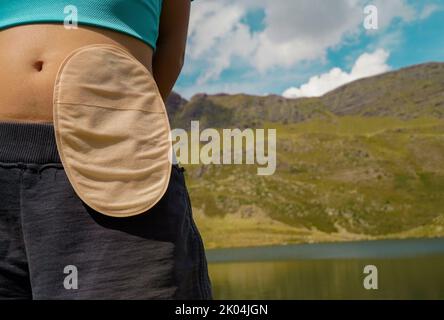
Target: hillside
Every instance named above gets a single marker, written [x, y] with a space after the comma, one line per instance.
[406, 94]
[362, 162]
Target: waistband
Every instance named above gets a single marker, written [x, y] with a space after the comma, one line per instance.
[28, 142]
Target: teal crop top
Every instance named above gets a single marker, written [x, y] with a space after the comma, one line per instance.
[138, 18]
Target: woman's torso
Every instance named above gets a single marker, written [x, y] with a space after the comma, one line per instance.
[30, 56]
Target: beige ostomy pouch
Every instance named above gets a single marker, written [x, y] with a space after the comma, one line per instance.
[112, 130]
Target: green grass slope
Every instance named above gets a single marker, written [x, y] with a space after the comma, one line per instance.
[354, 178]
[365, 161]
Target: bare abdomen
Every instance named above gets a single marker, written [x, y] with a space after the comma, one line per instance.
[30, 57]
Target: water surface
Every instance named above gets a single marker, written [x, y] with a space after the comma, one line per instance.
[407, 269]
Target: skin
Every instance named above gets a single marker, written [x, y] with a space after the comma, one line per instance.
[30, 56]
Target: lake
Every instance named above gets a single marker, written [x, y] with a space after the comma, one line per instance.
[407, 269]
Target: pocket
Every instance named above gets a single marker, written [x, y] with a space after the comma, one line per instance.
[112, 130]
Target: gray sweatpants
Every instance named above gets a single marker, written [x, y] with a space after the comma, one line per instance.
[53, 246]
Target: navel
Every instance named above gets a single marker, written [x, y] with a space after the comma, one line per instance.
[38, 65]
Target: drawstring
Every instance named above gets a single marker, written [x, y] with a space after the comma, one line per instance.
[49, 165]
[38, 167]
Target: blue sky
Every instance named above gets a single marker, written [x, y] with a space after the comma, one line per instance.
[302, 48]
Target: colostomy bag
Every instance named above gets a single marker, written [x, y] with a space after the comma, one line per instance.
[112, 130]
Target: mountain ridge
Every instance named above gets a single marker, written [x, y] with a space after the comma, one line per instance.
[406, 93]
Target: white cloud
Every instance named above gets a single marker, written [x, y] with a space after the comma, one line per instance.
[391, 9]
[295, 31]
[237, 44]
[210, 22]
[303, 30]
[428, 10]
[368, 64]
[216, 36]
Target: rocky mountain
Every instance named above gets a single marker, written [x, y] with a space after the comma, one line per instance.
[406, 94]
[175, 104]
